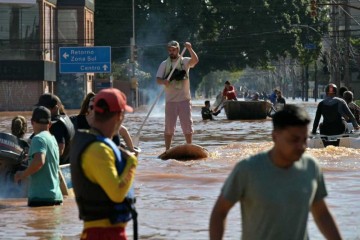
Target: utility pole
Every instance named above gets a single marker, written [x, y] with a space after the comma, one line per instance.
[316, 91]
[133, 50]
[335, 56]
[347, 44]
[306, 87]
[335, 74]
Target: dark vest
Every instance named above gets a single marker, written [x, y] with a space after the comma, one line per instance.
[93, 202]
[65, 120]
[79, 122]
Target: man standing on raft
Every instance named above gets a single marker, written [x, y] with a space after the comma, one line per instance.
[177, 90]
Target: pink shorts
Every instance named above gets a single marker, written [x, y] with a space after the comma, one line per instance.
[97, 233]
[175, 109]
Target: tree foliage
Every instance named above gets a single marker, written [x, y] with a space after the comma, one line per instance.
[226, 34]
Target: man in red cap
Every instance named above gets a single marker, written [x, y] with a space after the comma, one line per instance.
[177, 90]
[102, 175]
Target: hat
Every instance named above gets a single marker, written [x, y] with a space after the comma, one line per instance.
[41, 115]
[114, 98]
[48, 100]
[173, 44]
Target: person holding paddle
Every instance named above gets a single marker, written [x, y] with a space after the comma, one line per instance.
[277, 188]
[229, 92]
[173, 73]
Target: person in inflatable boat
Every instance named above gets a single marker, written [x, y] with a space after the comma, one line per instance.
[333, 110]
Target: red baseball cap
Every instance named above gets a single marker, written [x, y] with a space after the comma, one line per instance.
[114, 98]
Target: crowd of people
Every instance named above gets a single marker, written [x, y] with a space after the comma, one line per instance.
[99, 159]
[273, 204]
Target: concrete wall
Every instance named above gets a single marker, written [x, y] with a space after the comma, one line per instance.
[20, 95]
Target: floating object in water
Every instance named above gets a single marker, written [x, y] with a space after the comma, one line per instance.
[185, 152]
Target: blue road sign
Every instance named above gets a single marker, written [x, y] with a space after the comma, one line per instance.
[85, 59]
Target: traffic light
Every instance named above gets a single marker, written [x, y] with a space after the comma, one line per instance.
[313, 8]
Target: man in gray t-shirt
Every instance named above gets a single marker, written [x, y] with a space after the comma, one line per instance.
[177, 90]
[277, 188]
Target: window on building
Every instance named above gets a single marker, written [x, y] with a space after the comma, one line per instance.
[67, 26]
[19, 32]
[49, 35]
[88, 31]
[92, 32]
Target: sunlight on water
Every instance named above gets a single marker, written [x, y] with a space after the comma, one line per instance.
[337, 158]
[332, 152]
[174, 198]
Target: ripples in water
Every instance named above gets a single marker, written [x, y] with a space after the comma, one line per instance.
[174, 199]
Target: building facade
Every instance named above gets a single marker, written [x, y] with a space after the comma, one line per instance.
[31, 32]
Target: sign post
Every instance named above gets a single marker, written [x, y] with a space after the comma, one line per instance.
[85, 59]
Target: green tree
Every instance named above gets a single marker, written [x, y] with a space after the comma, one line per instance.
[113, 27]
[226, 34]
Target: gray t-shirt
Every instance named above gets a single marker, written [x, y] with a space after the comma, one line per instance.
[176, 91]
[275, 202]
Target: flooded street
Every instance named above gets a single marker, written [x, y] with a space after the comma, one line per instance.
[175, 199]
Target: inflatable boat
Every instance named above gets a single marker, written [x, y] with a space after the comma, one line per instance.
[185, 152]
[350, 140]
